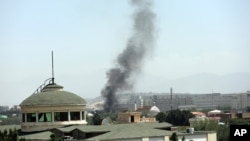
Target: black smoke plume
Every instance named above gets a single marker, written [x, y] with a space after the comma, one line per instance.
[129, 62]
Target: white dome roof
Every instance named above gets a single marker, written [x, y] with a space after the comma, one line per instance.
[154, 111]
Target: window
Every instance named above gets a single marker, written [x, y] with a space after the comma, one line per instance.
[45, 117]
[31, 117]
[74, 115]
[23, 117]
[61, 116]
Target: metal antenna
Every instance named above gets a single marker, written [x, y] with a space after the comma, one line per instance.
[52, 67]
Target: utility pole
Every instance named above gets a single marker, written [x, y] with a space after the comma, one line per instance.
[171, 99]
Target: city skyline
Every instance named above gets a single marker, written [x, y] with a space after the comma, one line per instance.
[208, 40]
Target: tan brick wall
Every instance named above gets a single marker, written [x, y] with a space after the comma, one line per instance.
[137, 118]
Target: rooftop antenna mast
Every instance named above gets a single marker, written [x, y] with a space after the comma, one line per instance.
[50, 80]
[52, 67]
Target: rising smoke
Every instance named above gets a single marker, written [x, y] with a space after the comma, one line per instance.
[130, 61]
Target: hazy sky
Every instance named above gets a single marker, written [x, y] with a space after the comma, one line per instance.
[193, 37]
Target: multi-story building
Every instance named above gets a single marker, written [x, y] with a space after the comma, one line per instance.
[211, 101]
[164, 101]
[4, 108]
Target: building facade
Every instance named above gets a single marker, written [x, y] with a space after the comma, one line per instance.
[164, 101]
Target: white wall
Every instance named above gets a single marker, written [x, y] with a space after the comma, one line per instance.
[193, 137]
[156, 139]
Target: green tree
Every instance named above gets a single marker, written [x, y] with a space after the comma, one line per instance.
[174, 137]
[205, 125]
[97, 119]
[238, 122]
[5, 134]
[187, 115]
[1, 135]
[221, 130]
[161, 117]
[178, 117]
[53, 137]
[222, 133]
[15, 135]
[8, 135]
[183, 138]
[22, 139]
[89, 120]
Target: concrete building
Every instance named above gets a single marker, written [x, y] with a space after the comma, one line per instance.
[241, 101]
[211, 101]
[4, 108]
[50, 108]
[128, 117]
[235, 101]
[163, 101]
[133, 117]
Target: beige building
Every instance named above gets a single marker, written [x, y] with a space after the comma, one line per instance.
[52, 107]
[129, 117]
[133, 117]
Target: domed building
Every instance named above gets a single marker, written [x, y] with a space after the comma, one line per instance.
[154, 111]
[52, 107]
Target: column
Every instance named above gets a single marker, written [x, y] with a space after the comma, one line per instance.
[68, 115]
[36, 117]
[53, 117]
[85, 113]
[80, 115]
